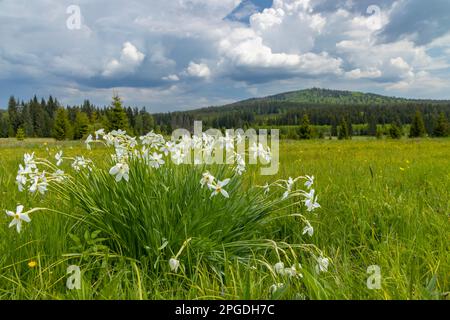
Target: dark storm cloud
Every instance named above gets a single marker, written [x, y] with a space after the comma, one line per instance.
[175, 54]
[423, 20]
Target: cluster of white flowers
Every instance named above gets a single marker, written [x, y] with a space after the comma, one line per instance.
[322, 264]
[30, 178]
[259, 151]
[309, 196]
[217, 187]
[80, 163]
[275, 287]
[35, 174]
[292, 272]
[153, 148]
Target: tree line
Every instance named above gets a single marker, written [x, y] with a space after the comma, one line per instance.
[296, 120]
[49, 119]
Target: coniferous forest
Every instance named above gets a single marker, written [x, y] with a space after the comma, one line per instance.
[305, 114]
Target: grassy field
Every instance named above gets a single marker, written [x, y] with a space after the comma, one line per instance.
[384, 203]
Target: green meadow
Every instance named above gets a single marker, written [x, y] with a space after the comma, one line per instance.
[383, 203]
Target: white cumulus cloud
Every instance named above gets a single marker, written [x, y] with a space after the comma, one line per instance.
[198, 70]
[129, 60]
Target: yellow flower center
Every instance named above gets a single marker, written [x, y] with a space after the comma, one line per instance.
[32, 264]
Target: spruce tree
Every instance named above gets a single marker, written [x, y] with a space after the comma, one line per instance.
[305, 131]
[51, 107]
[4, 125]
[442, 127]
[27, 120]
[343, 130]
[14, 117]
[379, 134]
[62, 129]
[81, 125]
[148, 121]
[417, 126]
[38, 117]
[118, 119]
[396, 131]
[20, 134]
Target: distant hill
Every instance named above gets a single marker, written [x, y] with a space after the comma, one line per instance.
[322, 106]
[334, 97]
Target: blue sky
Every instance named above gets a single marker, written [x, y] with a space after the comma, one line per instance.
[184, 54]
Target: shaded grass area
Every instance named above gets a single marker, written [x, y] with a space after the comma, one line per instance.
[384, 203]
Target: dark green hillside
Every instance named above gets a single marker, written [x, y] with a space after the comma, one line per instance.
[322, 106]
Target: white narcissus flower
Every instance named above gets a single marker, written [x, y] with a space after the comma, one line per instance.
[207, 179]
[80, 162]
[98, 133]
[239, 138]
[121, 171]
[299, 266]
[308, 229]
[89, 141]
[174, 264]
[18, 217]
[266, 188]
[29, 161]
[109, 138]
[311, 201]
[289, 183]
[59, 176]
[167, 148]
[40, 183]
[257, 150]
[279, 268]
[240, 167]
[218, 188]
[178, 156]
[292, 272]
[322, 264]
[21, 178]
[309, 182]
[228, 141]
[275, 287]
[59, 158]
[147, 139]
[156, 160]
[132, 142]
[186, 141]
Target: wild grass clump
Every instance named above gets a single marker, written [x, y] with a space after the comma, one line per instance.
[148, 206]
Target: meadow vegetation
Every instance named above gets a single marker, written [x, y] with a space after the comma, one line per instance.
[383, 202]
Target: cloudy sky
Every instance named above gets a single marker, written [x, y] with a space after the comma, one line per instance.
[183, 54]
